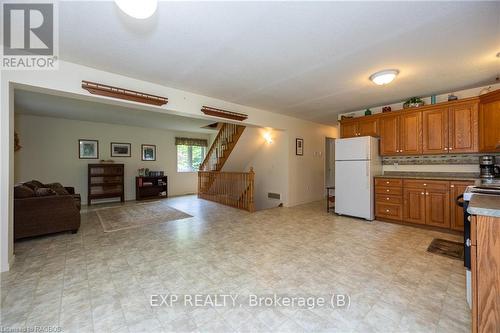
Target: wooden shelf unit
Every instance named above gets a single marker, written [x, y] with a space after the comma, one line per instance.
[105, 181]
[155, 190]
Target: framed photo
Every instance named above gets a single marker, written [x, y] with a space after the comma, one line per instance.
[299, 146]
[148, 152]
[88, 149]
[120, 149]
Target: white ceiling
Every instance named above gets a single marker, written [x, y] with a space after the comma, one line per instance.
[306, 59]
[47, 105]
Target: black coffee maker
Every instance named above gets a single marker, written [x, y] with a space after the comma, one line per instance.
[487, 167]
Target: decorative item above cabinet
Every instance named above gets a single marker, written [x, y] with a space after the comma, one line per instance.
[469, 125]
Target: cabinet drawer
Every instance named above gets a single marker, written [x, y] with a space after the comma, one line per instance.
[388, 190]
[393, 199]
[389, 182]
[389, 211]
[428, 184]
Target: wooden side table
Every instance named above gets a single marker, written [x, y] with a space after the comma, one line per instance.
[330, 198]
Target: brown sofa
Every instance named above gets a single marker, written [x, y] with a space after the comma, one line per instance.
[41, 209]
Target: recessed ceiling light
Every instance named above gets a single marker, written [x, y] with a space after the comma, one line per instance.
[138, 9]
[384, 77]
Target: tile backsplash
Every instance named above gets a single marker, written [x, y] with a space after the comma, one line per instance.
[458, 159]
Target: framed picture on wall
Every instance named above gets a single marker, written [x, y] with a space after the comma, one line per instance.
[120, 149]
[148, 152]
[299, 146]
[88, 149]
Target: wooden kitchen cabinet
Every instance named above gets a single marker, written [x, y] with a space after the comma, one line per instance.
[410, 133]
[463, 128]
[456, 212]
[414, 205]
[485, 270]
[489, 122]
[349, 129]
[435, 131]
[389, 135]
[368, 126]
[437, 208]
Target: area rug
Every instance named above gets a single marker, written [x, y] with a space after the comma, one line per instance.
[447, 248]
[138, 215]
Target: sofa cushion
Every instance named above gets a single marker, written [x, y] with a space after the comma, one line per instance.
[58, 188]
[22, 191]
[33, 184]
[44, 192]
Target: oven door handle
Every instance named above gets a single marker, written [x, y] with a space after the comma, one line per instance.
[459, 200]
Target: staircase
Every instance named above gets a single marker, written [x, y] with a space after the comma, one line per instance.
[221, 148]
[229, 188]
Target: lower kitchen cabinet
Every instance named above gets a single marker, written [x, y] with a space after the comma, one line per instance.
[456, 212]
[414, 205]
[437, 208]
[485, 269]
[420, 201]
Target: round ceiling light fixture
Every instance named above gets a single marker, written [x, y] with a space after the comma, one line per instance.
[138, 9]
[384, 77]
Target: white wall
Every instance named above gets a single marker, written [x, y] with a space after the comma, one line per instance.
[269, 161]
[50, 153]
[305, 175]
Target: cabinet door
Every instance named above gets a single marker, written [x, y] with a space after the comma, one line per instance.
[414, 205]
[411, 133]
[349, 130]
[437, 208]
[457, 212]
[389, 135]
[368, 127]
[435, 131]
[463, 128]
[489, 127]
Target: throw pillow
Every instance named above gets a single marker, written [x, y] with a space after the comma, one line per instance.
[58, 188]
[33, 184]
[21, 192]
[44, 192]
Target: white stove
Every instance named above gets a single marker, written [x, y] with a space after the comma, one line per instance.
[490, 189]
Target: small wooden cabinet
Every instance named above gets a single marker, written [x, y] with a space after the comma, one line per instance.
[411, 133]
[151, 187]
[463, 128]
[437, 207]
[349, 129]
[389, 198]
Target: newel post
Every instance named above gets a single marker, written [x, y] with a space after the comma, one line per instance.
[251, 177]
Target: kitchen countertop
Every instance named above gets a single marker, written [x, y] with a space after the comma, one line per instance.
[432, 175]
[486, 205]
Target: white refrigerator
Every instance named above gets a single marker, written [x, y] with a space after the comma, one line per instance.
[356, 163]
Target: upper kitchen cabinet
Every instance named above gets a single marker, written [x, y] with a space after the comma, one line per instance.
[411, 133]
[349, 129]
[368, 126]
[389, 134]
[435, 131]
[489, 122]
[364, 126]
[463, 128]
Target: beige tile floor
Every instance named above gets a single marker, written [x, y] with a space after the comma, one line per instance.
[102, 282]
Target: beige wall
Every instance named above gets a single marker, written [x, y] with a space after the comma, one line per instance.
[50, 153]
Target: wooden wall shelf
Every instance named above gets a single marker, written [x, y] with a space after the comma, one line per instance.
[223, 113]
[121, 93]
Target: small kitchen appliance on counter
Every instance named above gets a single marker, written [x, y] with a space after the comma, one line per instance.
[488, 169]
